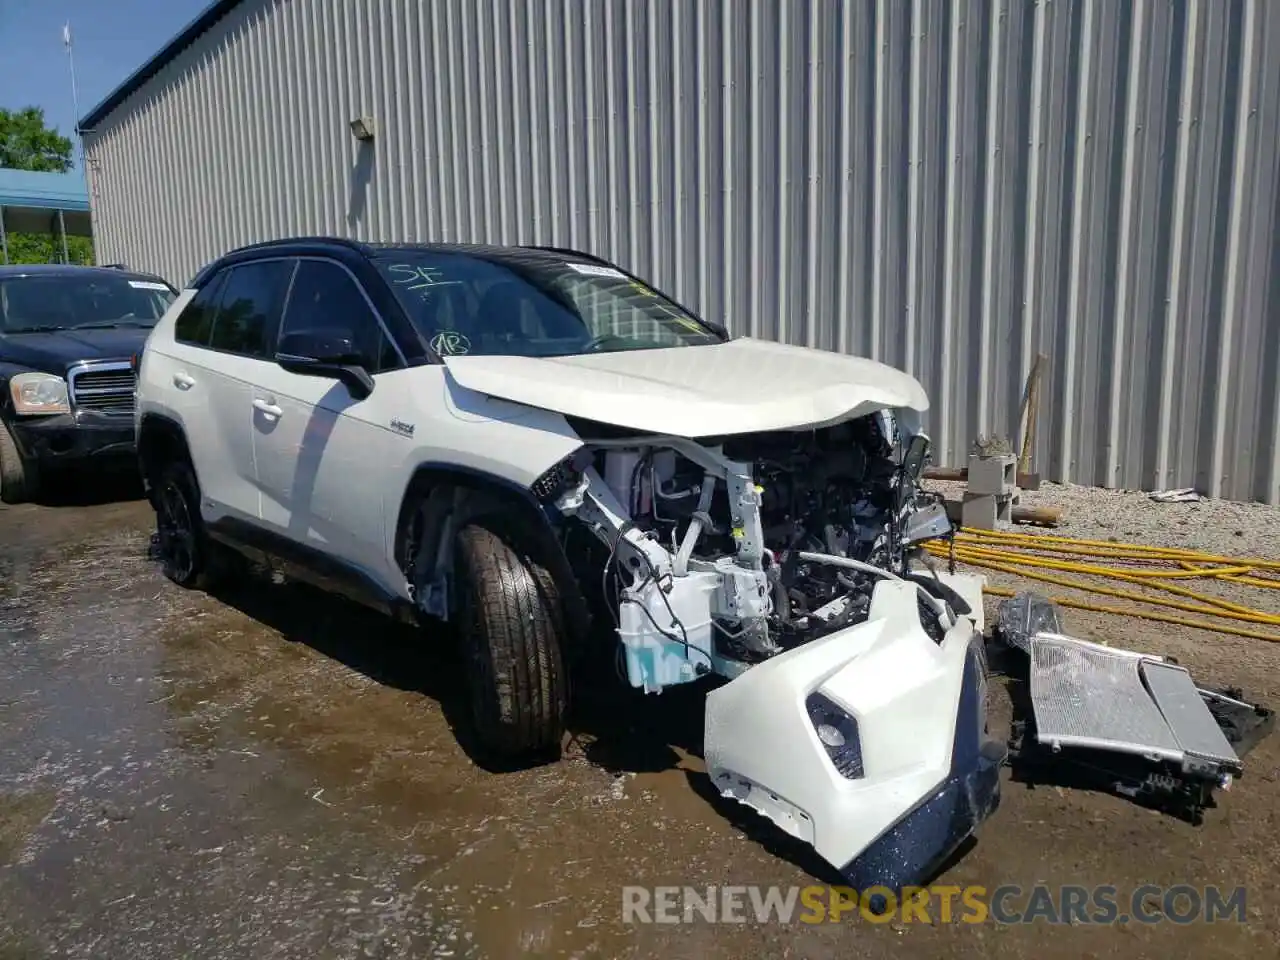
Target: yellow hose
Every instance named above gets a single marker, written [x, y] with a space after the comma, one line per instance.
[1142, 614]
[1223, 574]
[1179, 553]
[1245, 613]
[1231, 612]
[1013, 552]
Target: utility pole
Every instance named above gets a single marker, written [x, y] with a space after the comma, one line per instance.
[75, 109]
[75, 97]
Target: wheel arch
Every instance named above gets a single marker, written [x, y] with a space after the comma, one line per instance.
[451, 496]
[159, 437]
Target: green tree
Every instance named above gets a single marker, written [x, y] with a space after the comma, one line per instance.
[27, 142]
[47, 248]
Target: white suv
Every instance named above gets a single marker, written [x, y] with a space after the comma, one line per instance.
[544, 448]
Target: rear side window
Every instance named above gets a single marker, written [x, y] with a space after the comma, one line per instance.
[195, 325]
[325, 299]
[250, 307]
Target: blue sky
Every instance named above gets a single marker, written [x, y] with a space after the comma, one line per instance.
[110, 39]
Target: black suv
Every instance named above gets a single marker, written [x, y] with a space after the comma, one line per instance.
[68, 336]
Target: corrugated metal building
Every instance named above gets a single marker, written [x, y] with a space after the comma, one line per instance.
[951, 187]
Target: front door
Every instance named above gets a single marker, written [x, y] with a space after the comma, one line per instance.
[318, 449]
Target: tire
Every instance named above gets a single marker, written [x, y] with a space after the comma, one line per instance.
[187, 555]
[512, 620]
[19, 480]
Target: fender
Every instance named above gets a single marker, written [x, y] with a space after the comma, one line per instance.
[440, 498]
[7, 372]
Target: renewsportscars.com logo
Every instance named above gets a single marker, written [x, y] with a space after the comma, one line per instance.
[1008, 904]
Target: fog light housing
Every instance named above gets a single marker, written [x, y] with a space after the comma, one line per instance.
[837, 731]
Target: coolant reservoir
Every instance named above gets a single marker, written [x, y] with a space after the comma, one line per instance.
[619, 471]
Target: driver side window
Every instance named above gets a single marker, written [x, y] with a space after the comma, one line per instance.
[325, 300]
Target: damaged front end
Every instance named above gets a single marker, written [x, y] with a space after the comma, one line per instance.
[785, 562]
[869, 744]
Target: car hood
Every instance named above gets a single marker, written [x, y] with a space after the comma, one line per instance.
[742, 386]
[56, 350]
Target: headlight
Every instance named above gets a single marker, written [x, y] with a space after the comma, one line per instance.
[838, 734]
[560, 478]
[39, 393]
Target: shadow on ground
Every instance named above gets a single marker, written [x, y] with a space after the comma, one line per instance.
[89, 488]
[613, 726]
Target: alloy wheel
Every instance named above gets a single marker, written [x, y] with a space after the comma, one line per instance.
[177, 537]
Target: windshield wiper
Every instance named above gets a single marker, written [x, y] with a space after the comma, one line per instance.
[109, 324]
[32, 329]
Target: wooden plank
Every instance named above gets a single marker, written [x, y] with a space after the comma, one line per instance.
[1031, 516]
[946, 473]
[1026, 481]
[1027, 416]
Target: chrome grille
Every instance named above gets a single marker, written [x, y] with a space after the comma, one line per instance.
[103, 387]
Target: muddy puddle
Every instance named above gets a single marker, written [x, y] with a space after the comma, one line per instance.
[276, 773]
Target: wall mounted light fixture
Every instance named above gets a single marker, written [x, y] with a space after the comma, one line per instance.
[362, 128]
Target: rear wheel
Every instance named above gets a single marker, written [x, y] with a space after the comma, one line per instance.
[18, 478]
[178, 526]
[187, 555]
[512, 620]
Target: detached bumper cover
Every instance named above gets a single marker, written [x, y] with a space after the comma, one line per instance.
[915, 846]
[928, 772]
[68, 438]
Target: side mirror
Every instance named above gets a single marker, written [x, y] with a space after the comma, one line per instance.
[720, 329]
[326, 354]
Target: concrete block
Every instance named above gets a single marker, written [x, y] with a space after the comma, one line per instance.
[986, 511]
[993, 475]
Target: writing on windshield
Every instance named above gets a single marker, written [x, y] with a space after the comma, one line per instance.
[533, 305]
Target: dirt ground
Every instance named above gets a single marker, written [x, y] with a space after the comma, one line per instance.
[276, 773]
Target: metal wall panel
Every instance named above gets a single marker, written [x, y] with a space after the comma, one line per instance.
[951, 187]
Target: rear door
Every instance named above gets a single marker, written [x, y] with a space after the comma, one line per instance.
[318, 449]
[221, 345]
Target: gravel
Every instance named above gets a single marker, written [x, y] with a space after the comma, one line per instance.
[1224, 527]
[1220, 527]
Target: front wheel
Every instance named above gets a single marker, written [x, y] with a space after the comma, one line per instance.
[18, 478]
[512, 619]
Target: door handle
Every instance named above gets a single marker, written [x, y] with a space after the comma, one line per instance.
[183, 382]
[270, 409]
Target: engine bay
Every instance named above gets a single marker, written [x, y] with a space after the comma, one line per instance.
[728, 551]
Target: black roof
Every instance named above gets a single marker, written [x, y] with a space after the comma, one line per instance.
[351, 251]
[501, 254]
[382, 248]
[187, 36]
[12, 270]
[344, 248]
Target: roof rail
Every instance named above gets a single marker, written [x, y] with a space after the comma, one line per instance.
[286, 241]
[571, 252]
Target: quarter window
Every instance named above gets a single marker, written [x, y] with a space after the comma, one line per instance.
[196, 322]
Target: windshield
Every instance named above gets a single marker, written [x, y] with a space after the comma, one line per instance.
[533, 306]
[67, 301]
